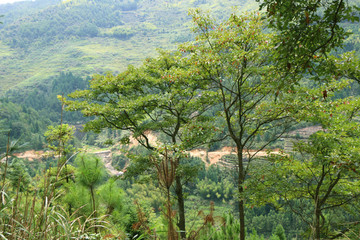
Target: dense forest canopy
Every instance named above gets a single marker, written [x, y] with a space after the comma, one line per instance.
[243, 125]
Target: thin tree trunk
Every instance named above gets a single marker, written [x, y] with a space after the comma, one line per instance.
[171, 230]
[317, 230]
[93, 203]
[179, 191]
[67, 181]
[6, 163]
[241, 190]
[93, 200]
[180, 199]
[242, 219]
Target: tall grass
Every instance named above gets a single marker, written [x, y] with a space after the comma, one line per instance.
[36, 214]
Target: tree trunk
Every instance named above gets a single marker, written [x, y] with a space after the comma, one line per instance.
[93, 203]
[317, 226]
[6, 163]
[67, 181]
[171, 231]
[241, 190]
[242, 219]
[93, 200]
[180, 199]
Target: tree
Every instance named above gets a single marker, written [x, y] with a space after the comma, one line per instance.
[11, 147]
[59, 138]
[18, 175]
[162, 96]
[307, 30]
[112, 196]
[347, 66]
[322, 173]
[279, 233]
[90, 173]
[166, 169]
[234, 59]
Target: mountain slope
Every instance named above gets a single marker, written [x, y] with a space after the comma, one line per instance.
[93, 36]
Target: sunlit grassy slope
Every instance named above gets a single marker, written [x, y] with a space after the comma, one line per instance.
[153, 24]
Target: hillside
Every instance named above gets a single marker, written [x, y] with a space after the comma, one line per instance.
[53, 47]
[42, 38]
[184, 136]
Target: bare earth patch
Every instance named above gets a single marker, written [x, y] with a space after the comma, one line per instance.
[209, 158]
[31, 155]
[215, 156]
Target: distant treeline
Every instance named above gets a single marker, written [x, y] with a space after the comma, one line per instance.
[70, 19]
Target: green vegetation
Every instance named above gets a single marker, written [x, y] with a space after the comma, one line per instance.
[89, 37]
[122, 163]
[164, 98]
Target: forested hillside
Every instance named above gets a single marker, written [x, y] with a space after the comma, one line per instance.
[39, 40]
[123, 104]
[50, 48]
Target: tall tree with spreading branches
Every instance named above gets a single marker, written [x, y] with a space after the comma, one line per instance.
[234, 59]
[162, 96]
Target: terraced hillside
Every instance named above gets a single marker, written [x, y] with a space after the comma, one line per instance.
[40, 39]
